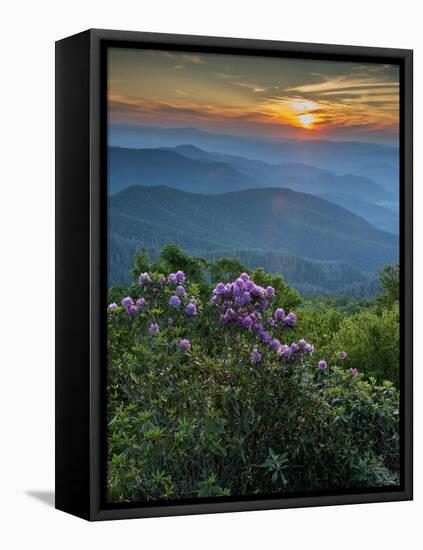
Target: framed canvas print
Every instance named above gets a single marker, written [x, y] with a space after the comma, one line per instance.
[234, 275]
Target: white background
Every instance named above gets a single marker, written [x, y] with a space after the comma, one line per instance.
[28, 32]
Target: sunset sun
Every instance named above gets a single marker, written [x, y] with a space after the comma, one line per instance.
[307, 120]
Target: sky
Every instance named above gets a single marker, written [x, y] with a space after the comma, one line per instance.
[281, 98]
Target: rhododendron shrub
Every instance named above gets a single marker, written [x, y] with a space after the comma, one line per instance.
[215, 397]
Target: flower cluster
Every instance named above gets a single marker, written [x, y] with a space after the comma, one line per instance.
[154, 328]
[185, 344]
[144, 278]
[245, 304]
[242, 303]
[130, 306]
[179, 294]
[178, 277]
[296, 350]
[285, 351]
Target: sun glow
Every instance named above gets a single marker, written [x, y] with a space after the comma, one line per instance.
[302, 105]
[307, 120]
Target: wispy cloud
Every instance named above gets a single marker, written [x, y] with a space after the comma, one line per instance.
[180, 110]
[340, 83]
[228, 75]
[178, 56]
[379, 91]
[196, 59]
[256, 88]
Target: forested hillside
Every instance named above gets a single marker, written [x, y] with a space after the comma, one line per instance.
[308, 239]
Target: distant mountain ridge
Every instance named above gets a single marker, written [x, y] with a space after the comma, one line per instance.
[382, 218]
[161, 167]
[339, 157]
[208, 173]
[296, 176]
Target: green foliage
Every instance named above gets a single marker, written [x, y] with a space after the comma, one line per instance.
[390, 280]
[275, 465]
[210, 488]
[225, 269]
[368, 415]
[172, 258]
[372, 341]
[141, 262]
[212, 427]
[207, 422]
[345, 305]
[288, 297]
[319, 322]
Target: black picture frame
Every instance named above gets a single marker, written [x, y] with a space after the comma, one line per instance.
[81, 253]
